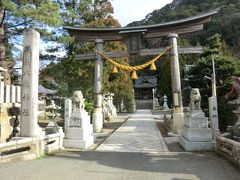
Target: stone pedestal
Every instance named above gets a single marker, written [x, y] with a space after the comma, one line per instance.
[52, 127]
[196, 134]
[78, 130]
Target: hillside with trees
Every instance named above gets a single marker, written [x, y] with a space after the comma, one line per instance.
[225, 23]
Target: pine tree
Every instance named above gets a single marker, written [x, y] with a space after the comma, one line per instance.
[18, 15]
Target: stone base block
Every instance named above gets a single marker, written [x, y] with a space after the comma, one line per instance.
[78, 144]
[197, 134]
[79, 133]
[51, 129]
[196, 122]
[196, 146]
[196, 114]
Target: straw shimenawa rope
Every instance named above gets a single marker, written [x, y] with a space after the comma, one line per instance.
[134, 68]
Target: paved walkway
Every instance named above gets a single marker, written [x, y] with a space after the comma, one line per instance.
[93, 165]
[138, 134]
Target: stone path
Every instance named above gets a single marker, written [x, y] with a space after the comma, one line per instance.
[138, 134]
[92, 165]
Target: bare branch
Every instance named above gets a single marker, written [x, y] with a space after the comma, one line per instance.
[20, 24]
[13, 32]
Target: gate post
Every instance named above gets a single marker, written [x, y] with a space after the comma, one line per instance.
[178, 115]
[97, 116]
[29, 93]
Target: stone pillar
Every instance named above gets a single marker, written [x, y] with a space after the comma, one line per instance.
[97, 116]
[213, 78]
[13, 94]
[7, 93]
[153, 98]
[1, 91]
[67, 112]
[29, 96]
[178, 116]
[213, 115]
[18, 94]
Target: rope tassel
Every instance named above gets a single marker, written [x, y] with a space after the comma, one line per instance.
[153, 67]
[115, 70]
[134, 75]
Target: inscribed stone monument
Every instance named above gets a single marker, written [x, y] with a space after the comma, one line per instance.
[29, 96]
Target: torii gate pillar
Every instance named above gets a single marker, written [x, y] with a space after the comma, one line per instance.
[97, 116]
[178, 115]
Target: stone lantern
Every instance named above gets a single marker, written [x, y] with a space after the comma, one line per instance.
[52, 126]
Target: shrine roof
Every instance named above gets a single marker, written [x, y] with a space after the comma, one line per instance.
[43, 90]
[145, 82]
[182, 26]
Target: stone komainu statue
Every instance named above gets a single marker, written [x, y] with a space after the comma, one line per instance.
[195, 99]
[78, 101]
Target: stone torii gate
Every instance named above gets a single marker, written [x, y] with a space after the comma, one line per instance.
[132, 36]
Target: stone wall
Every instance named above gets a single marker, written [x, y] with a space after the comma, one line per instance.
[25, 148]
[228, 148]
[10, 96]
[6, 126]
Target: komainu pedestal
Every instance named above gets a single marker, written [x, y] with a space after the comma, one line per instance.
[78, 130]
[196, 133]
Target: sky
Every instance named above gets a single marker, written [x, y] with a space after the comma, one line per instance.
[127, 11]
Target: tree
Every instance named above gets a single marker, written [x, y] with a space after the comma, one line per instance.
[18, 15]
[226, 66]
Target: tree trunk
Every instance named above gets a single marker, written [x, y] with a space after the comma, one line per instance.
[3, 62]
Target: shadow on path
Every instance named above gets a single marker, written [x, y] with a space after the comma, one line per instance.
[205, 165]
